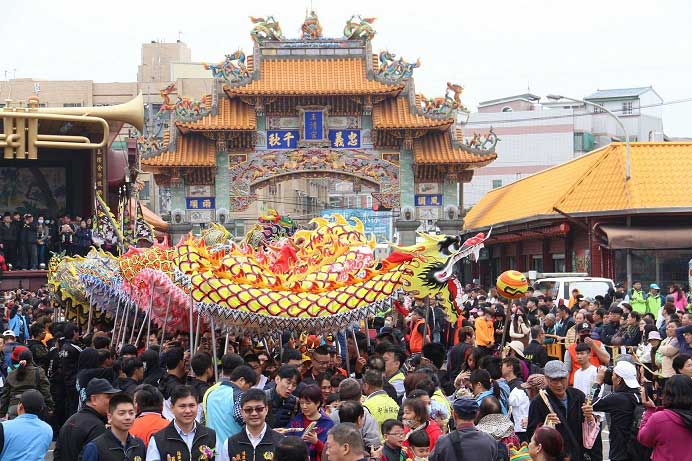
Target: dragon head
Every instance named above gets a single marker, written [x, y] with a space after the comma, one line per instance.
[432, 267]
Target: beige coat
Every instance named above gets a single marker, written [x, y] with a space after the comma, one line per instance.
[665, 354]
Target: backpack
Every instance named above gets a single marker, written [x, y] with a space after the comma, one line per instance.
[637, 451]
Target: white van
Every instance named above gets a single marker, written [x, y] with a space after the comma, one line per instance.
[560, 285]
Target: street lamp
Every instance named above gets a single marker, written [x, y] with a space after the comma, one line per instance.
[556, 97]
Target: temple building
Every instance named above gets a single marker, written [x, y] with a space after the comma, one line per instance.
[313, 108]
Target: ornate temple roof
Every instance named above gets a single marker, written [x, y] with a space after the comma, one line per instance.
[437, 148]
[231, 115]
[399, 113]
[191, 151]
[324, 76]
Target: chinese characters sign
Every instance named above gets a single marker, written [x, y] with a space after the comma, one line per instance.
[282, 139]
[429, 200]
[346, 139]
[200, 203]
[313, 125]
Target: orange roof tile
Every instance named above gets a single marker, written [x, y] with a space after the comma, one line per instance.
[437, 148]
[232, 115]
[313, 77]
[593, 183]
[191, 151]
[395, 113]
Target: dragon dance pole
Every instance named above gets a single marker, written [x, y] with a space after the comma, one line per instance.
[124, 325]
[115, 322]
[197, 333]
[91, 311]
[225, 347]
[355, 343]
[151, 304]
[192, 331]
[213, 349]
[139, 335]
[165, 319]
[348, 360]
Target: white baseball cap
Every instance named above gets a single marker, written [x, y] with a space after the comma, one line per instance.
[628, 373]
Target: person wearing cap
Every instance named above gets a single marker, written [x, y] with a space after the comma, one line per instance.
[466, 438]
[654, 301]
[87, 424]
[637, 298]
[565, 410]
[598, 355]
[116, 443]
[26, 437]
[620, 404]
[10, 342]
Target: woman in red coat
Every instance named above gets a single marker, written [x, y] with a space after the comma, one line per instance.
[417, 418]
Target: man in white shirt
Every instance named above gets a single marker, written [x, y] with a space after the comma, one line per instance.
[585, 376]
[257, 440]
[184, 433]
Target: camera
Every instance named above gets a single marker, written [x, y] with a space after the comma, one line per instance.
[608, 377]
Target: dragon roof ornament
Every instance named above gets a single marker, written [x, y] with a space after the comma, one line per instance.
[480, 144]
[394, 70]
[444, 106]
[359, 28]
[311, 28]
[230, 71]
[265, 29]
[185, 109]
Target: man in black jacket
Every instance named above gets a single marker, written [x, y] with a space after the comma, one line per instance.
[9, 233]
[117, 444]
[258, 440]
[620, 404]
[183, 439]
[69, 356]
[84, 426]
[613, 325]
[566, 411]
[535, 352]
[283, 404]
[27, 244]
[174, 377]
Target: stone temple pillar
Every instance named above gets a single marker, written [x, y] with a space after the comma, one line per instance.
[177, 231]
[450, 226]
[407, 231]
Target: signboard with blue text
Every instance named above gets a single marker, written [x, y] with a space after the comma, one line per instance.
[282, 139]
[200, 203]
[344, 139]
[313, 125]
[377, 223]
[429, 200]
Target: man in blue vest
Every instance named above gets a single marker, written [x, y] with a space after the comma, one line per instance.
[26, 437]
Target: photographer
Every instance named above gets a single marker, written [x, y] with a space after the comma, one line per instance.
[620, 404]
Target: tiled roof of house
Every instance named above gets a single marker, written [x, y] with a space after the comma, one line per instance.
[594, 183]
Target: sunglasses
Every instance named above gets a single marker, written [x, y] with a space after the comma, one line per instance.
[251, 410]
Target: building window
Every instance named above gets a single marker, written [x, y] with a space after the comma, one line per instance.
[627, 108]
[578, 142]
[497, 183]
[507, 109]
[559, 263]
[537, 263]
[72, 104]
[598, 110]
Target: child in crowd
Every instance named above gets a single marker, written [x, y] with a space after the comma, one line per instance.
[419, 445]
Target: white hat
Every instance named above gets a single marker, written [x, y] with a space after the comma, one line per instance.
[654, 335]
[628, 373]
[9, 333]
[518, 347]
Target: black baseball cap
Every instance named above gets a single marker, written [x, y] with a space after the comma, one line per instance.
[32, 401]
[584, 326]
[100, 386]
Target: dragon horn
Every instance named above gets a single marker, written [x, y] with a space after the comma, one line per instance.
[319, 221]
[359, 225]
[340, 219]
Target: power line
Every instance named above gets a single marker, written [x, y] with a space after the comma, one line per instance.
[573, 115]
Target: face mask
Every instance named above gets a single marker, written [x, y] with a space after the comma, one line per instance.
[40, 221]
[430, 409]
[420, 458]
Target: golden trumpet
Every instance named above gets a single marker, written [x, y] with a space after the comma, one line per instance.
[20, 138]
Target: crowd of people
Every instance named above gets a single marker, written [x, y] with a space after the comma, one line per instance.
[527, 378]
[26, 243]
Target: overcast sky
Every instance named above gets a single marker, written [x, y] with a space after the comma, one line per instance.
[493, 48]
